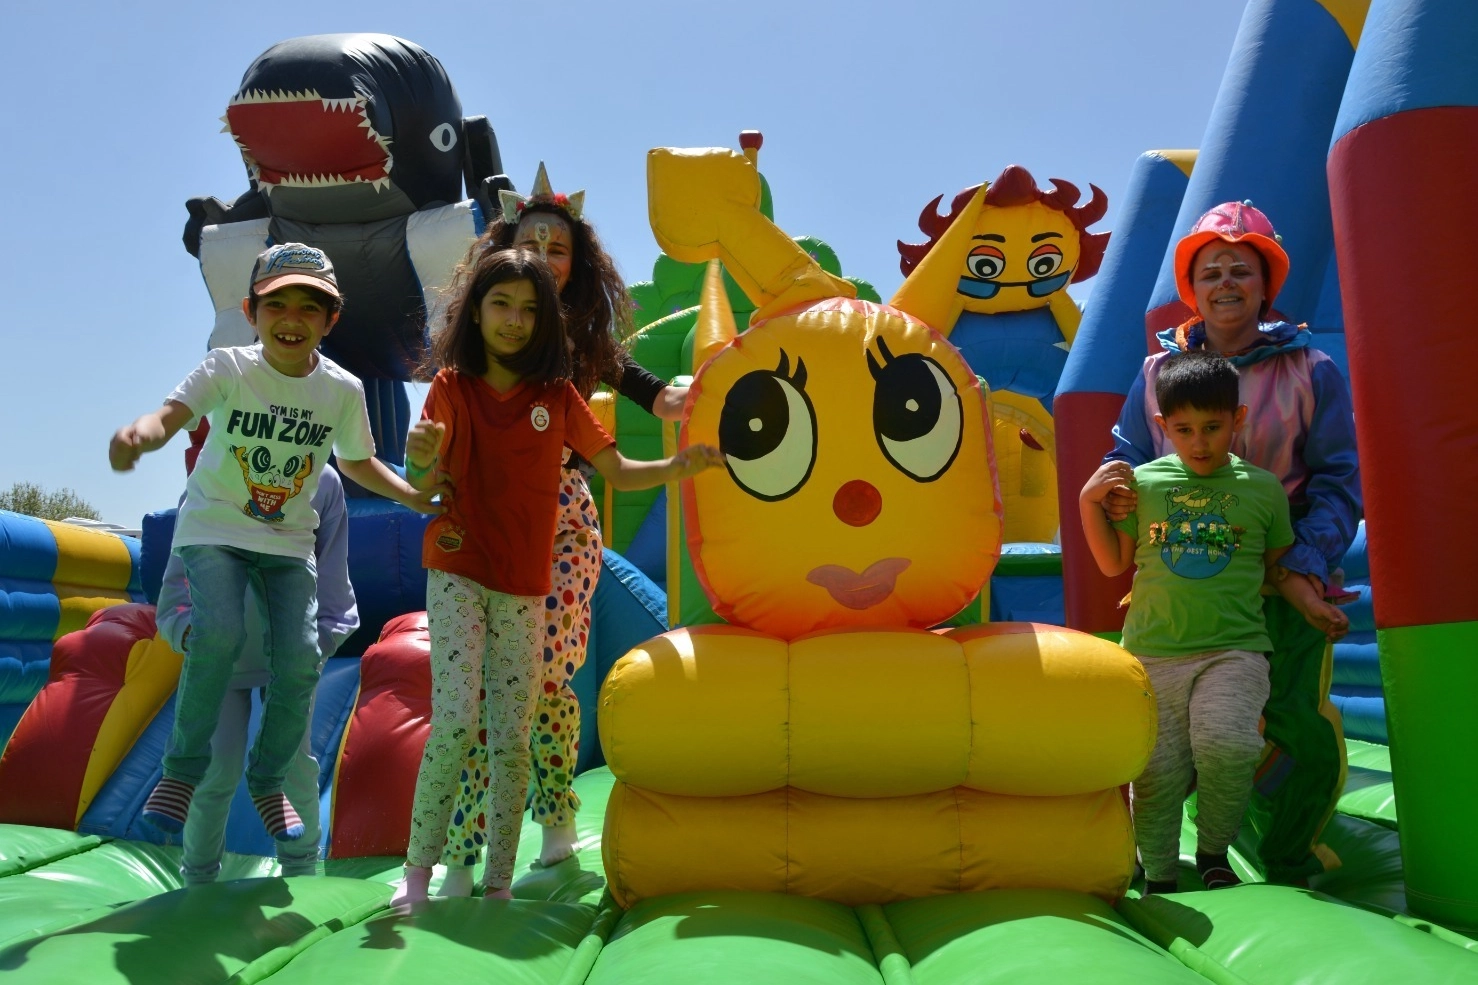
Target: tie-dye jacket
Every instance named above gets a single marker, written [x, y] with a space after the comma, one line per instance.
[1300, 427]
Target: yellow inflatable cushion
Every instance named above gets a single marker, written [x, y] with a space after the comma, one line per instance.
[857, 852]
[1011, 708]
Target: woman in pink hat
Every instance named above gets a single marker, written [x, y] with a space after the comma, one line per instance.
[1229, 270]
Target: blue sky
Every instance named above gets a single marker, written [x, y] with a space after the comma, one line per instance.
[868, 110]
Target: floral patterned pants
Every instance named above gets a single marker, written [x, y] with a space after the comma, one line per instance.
[556, 728]
[484, 659]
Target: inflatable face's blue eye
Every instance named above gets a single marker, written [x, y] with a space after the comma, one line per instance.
[261, 459]
[916, 413]
[767, 432]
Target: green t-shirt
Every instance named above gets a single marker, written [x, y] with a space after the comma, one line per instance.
[1198, 554]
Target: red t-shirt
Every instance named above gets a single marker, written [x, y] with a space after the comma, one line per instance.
[502, 452]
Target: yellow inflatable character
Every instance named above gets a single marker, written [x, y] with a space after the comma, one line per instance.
[993, 277]
[828, 743]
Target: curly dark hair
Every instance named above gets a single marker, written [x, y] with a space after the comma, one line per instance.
[459, 345]
[597, 308]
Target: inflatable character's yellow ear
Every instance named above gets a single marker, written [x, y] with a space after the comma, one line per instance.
[715, 328]
[931, 292]
[704, 204]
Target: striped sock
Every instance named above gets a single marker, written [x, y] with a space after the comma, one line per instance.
[277, 814]
[168, 805]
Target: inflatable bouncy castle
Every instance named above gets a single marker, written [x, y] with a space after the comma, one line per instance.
[825, 781]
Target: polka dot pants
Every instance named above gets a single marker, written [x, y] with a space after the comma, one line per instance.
[555, 734]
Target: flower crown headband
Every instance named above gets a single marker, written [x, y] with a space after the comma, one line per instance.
[512, 204]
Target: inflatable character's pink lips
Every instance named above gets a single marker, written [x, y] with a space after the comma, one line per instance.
[862, 591]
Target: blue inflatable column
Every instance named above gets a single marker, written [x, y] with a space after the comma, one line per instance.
[1104, 358]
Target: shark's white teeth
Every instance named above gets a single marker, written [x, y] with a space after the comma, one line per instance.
[344, 105]
[274, 96]
[313, 180]
[381, 184]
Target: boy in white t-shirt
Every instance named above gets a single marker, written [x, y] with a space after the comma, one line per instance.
[276, 409]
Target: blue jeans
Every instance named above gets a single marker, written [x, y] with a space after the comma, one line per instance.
[205, 829]
[287, 588]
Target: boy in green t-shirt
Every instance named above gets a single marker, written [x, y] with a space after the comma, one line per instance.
[1207, 536]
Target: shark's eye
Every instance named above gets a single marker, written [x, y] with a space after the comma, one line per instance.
[261, 459]
[916, 413]
[985, 262]
[444, 137]
[767, 432]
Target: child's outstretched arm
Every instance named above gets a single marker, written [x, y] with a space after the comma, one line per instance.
[375, 475]
[1113, 549]
[627, 474]
[148, 433]
[1304, 595]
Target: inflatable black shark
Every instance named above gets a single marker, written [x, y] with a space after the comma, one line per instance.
[355, 144]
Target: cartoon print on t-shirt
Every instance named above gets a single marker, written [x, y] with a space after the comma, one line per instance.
[1197, 541]
[268, 482]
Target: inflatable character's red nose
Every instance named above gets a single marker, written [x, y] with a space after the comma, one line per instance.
[857, 503]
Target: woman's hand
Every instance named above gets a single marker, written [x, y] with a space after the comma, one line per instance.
[1326, 618]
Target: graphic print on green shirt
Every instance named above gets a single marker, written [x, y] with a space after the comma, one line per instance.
[1199, 552]
[1197, 541]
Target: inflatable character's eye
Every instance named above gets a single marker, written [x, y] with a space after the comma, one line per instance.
[444, 137]
[1044, 261]
[767, 431]
[916, 413]
[985, 262]
[261, 459]
[291, 466]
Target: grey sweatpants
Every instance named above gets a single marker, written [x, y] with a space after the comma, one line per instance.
[1209, 706]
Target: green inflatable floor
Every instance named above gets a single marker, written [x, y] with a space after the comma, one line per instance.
[76, 908]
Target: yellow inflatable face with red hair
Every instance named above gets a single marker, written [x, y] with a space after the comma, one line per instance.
[856, 437]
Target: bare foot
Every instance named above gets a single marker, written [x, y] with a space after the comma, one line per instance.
[498, 894]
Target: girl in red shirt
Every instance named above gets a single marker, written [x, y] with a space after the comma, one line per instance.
[597, 313]
[497, 419]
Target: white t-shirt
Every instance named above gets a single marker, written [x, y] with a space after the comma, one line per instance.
[270, 436]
